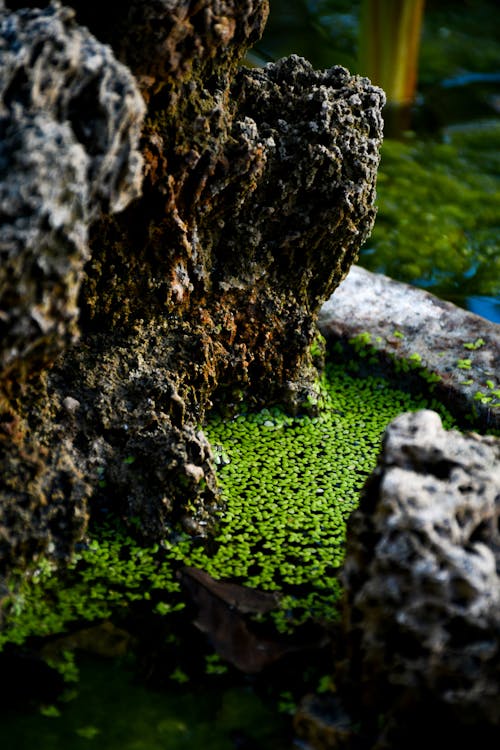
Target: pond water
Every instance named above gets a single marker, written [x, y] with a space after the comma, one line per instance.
[113, 711]
[439, 186]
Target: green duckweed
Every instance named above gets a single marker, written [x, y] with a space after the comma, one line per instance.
[288, 483]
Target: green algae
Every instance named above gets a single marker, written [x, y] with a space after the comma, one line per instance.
[437, 224]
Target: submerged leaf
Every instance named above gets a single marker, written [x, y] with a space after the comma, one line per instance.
[242, 598]
[220, 615]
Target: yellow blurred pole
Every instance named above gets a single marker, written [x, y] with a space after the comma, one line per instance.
[389, 45]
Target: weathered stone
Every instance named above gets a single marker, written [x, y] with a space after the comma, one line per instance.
[413, 331]
[69, 130]
[258, 190]
[322, 724]
[422, 580]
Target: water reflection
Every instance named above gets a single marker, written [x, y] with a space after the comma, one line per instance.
[488, 307]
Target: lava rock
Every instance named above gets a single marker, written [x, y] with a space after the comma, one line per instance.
[421, 575]
[187, 295]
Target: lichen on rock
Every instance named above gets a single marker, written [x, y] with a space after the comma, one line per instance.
[69, 124]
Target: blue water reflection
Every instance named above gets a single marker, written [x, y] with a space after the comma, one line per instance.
[488, 307]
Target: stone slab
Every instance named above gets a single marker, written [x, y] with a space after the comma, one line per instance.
[455, 350]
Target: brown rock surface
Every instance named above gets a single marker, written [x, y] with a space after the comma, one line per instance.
[69, 130]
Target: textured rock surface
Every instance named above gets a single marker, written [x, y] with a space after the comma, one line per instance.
[321, 724]
[422, 578]
[69, 130]
[258, 190]
[418, 332]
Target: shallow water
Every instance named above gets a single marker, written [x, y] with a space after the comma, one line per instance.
[112, 711]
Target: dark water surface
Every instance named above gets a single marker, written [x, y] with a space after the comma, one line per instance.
[112, 711]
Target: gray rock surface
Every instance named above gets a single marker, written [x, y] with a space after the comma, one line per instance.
[422, 580]
[421, 334]
[312, 202]
[70, 121]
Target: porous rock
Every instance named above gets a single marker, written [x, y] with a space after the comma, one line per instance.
[70, 118]
[258, 190]
[69, 129]
[422, 581]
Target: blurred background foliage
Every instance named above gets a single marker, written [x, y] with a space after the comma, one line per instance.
[439, 181]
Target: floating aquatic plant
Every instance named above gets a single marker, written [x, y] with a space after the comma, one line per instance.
[288, 483]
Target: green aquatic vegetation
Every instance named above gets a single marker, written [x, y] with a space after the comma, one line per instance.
[362, 346]
[363, 349]
[51, 712]
[106, 577]
[437, 224]
[482, 397]
[288, 484]
[473, 345]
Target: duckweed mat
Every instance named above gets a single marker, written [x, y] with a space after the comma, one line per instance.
[288, 485]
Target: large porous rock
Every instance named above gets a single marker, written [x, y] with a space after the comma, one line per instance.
[315, 135]
[69, 129]
[70, 120]
[258, 190]
[422, 581]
